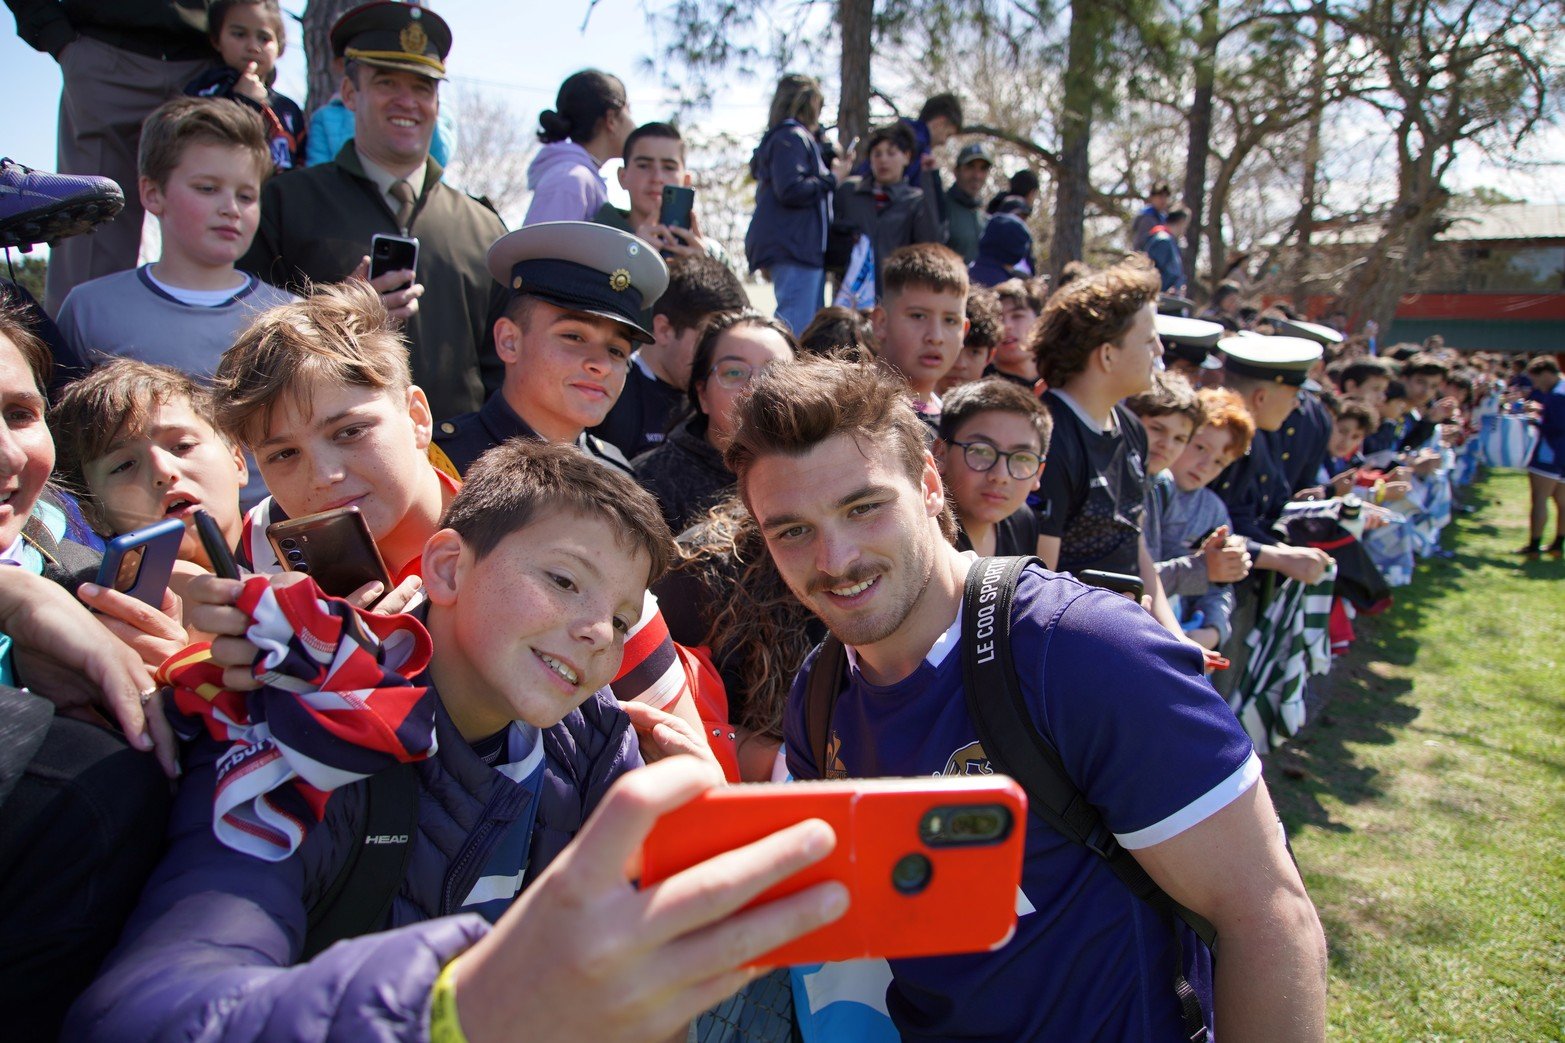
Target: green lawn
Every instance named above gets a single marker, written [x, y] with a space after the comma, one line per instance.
[1427, 802]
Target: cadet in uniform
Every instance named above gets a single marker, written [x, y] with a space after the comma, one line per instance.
[316, 223]
[577, 294]
[1256, 486]
[1300, 444]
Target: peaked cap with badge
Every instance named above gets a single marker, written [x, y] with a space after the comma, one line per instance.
[582, 266]
[390, 35]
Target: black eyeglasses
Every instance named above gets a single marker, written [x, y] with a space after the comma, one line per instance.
[1019, 463]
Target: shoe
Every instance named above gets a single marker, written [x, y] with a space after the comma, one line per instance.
[40, 207]
[1556, 549]
[1532, 550]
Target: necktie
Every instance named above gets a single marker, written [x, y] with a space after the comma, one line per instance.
[402, 192]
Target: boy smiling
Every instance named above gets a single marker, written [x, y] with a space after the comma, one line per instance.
[534, 579]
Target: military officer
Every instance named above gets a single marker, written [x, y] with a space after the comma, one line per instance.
[317, 223]
[577, 293]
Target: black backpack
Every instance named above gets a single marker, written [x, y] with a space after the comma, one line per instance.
[356, 902]
[1016, 748]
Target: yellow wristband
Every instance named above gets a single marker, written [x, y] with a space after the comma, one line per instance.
[1380, 490]
[444, 1025]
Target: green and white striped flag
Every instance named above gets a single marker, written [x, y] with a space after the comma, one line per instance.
[1289, 644]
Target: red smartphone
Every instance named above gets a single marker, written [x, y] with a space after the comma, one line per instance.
[334, 546]
[932, 864]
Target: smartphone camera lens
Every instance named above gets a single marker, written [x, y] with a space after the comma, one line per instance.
[301, 567]
[289, 543]
[911, 874]
[965, 825]
[296, 555]
[130, 568]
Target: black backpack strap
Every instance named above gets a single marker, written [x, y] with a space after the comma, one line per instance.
[1015, 747]
[820, 698]
[357, 900]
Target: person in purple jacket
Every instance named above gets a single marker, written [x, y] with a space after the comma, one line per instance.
[587, 127]
[504, 926]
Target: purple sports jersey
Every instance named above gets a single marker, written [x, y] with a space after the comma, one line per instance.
[1144, 737]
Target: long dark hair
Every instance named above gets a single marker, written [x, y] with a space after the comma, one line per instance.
[756, 626]
[584, 99]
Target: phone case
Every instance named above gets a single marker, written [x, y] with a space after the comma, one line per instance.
[335, 547]
[966, 904]
[390, 253]
[678, 202]
[140, 563]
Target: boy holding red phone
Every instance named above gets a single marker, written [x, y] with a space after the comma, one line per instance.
[832, 463]
[505, 917]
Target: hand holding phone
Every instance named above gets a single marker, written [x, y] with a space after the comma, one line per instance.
[140, 563]
[933, 865]
[334, 547]
[671, 951]
[392, 253]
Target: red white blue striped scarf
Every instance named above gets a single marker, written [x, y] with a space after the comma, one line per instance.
[337, 705]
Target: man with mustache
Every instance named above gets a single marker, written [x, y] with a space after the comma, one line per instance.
[831, 461]
[316, 224]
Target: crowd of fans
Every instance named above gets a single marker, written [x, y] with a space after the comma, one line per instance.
[617, 510]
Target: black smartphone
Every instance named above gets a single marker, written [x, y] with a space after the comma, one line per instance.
[1118, 582]
[678, 202]
[218, 552]
[392, 253]
[335, 547]
[140, 563]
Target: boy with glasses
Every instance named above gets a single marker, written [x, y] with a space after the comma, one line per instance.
[993, 436]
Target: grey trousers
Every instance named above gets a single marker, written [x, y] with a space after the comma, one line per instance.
[107, 93]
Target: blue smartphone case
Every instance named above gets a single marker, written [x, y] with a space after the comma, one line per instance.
[140, 563]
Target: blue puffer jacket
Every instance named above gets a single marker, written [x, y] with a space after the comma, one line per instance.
[210, 951]
[792, 199]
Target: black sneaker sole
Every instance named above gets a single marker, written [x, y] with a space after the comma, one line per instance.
[60, 221]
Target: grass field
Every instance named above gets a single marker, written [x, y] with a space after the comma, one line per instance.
[1427, 802]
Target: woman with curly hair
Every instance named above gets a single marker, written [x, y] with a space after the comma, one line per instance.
[725, 594]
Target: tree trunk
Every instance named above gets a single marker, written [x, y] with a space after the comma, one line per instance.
[856, 19]
[1376, 286]
[319, 16]
[1200, 140]
[1309, 190]
[1087, 37]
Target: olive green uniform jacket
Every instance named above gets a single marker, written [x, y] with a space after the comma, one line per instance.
[316, 225]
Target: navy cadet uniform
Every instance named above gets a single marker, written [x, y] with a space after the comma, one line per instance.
[467, 437]
[1300, 444]
[1255, 488]
[579, 266]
